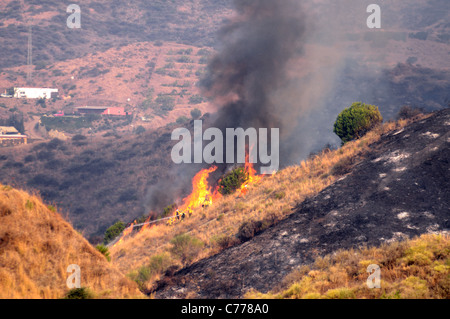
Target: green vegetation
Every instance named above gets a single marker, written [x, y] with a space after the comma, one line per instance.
[15, 120]
[196, 114]
[67, 124]
[156, 266]
[163, 105]
[169, 210]
[104, 251]
[186, 247]
[233, 181]
[355, 121]
[139, 130]
[113, 231]
[196, 99]
[79, 293]
[182, 120]
[408, 112]
[413, 269]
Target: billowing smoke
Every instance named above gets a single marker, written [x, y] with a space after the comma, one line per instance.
[255, 49]
[251, 66]
[295, 64]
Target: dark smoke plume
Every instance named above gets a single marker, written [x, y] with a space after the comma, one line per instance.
[256, 47]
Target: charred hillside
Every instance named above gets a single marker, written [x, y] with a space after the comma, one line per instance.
[399, 191]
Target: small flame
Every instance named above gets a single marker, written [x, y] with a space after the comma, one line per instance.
[125, 233]
[251, 179]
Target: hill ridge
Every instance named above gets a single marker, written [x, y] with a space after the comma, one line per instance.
[36, 247]
[411, 163]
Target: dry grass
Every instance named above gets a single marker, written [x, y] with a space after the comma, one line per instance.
[415, 269]
[36, 247]
[273, 198]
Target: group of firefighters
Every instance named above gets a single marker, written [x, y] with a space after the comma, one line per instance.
[181, 215]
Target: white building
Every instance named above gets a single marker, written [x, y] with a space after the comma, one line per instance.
[35, 93]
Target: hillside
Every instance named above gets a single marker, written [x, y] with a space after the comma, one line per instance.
[398, 190]
[105, 24]
[156, 83]
[94, 188]
[293, 65]
[412, 269]
[36, 247]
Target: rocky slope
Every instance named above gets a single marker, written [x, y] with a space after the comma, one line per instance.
[401, 190]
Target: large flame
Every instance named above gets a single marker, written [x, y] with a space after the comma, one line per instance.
[202, 193]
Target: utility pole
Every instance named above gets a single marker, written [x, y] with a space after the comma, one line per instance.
[30, 56]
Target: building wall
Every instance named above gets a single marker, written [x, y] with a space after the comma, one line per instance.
[5, 142]
[35, 93]
[114, 111]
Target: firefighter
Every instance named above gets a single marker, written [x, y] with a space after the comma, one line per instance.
[183, 215]
[170, 222]
[206, 202]
[178, 214]
[189, 211]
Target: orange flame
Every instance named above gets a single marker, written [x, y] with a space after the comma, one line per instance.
[125, 233]
[146, 223]
[201, 191]
[252, 177]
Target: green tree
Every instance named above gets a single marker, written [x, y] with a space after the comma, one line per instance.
[233, 181]
[196, 114]
[114, 231]
[356, 120]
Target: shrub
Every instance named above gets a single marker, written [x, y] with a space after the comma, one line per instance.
[196, 114]
[169, 210]
[113, 231]
[251, 228]
[182, 120]
[233, 181]
[225, 241]
[342, 167]
[186, 247]
[196, 99]
[41, 102]
[408, 112]
[79, 293]
[140, 129]
[164, 104]
[184, 59]
[29, 205]
[356, 120]
[104, 251]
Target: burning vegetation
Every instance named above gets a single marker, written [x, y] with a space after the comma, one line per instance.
[202, 196]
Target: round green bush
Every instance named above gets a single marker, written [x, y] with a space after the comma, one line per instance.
[356, 120]
[233, 181]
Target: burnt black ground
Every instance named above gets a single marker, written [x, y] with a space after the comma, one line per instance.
[401, 190]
